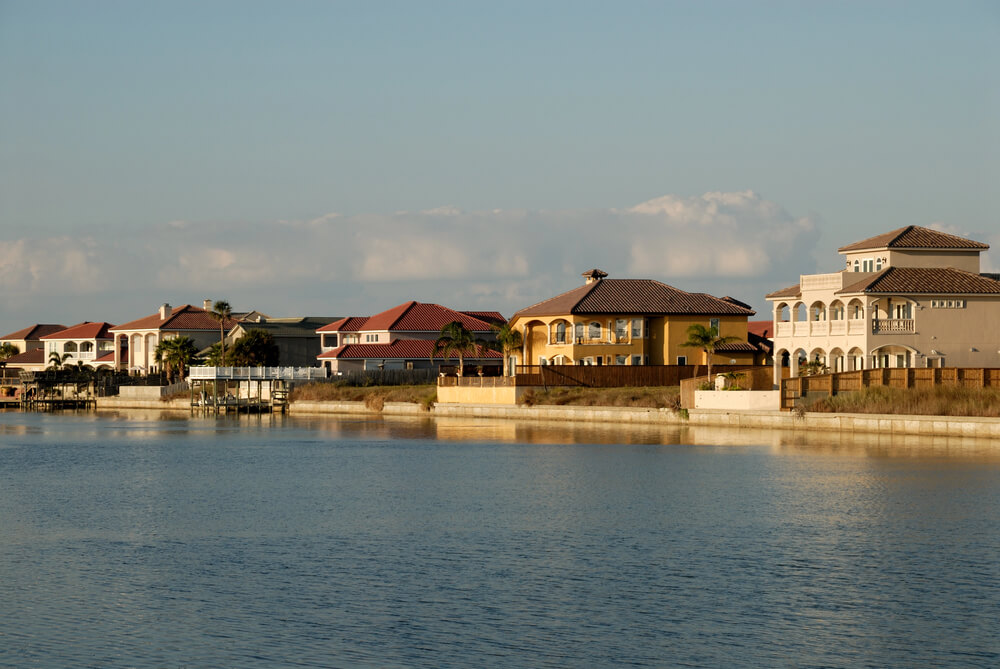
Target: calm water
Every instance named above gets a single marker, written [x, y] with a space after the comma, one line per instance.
[135, 540]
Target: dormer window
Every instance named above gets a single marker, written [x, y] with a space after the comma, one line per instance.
[878, 264]
[867, 265]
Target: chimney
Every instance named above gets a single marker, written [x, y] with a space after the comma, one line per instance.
[207, 305]
[594, 275]
[164, 311]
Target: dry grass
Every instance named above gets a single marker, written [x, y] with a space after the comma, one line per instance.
[650, 397]
[374, 397]
[937, 401]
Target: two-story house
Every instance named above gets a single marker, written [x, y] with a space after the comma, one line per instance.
[136, 341]
[913, 297]
[630, 322]
[87, 342]
[401, 338]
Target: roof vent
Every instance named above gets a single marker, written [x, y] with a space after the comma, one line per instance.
[594, 275]
[164, 311]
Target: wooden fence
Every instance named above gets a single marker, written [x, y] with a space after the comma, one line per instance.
[798, 387]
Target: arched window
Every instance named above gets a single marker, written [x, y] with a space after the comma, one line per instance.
[578, 332]
[69, 347]
[857, 266]
[87, 347]
[561, 332]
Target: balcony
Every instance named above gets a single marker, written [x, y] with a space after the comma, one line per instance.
[893, 326]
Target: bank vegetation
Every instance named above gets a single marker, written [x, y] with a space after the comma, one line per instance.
[935, 401]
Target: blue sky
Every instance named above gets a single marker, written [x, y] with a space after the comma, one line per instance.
[330, 158]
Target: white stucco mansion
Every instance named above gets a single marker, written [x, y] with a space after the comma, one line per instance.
[913, 297]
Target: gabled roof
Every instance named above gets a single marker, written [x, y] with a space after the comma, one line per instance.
[36, 331]
[633, 296]
[349, 324]
[493, 317]
[410, 317]
[84, 330]
[925, 280]
[35, 356]
[914, 237]
[288, 327]
[185, 317]
[401, 349]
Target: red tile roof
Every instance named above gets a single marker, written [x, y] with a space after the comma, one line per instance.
[410, 317]
[36, 331]
[185, 317]
[84, 330]
[761, 328]
[633, 296]
[914, 237]
[925, 280]
[488, 316]
[349, 324]
[35, 356]
[107, 357]
[401, 349]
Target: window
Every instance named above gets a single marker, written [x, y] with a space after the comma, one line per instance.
[371, 338]
[620, 359]
[409, 365]
[857, 266]
[69, 347]
[682, 360]
[636, 328]
[636, 360]
[878, 264]
[714, 324]
[594, 331]
[867, 265]
[902, 311]
[561, 332]
[86, 347]
[578, 332]
[621, 329]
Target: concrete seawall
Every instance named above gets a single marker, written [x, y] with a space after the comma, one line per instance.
[946, 426]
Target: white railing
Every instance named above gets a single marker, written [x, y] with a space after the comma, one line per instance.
[258, 373]
[822, 281]
[783, 329]
[892, 325]
[856, 326]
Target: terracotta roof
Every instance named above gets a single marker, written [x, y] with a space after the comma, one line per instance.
[401, 349]
[760, 328]
[791, 291]
[494, 317]
[35, 356]
[185, 317]
[736, 347]
[36, 331]
[84, 330]
[632, 296]
[349, 324]
[914, 237]
[412, 317]
[107, 357]
[925, 280]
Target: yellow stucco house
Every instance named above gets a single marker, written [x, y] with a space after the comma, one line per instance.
[631, 322]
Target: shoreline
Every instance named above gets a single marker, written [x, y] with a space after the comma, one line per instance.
[889, 424]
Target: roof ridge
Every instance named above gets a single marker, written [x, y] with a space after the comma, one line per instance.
[588, 286]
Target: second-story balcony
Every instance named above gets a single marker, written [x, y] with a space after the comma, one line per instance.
[893, 326]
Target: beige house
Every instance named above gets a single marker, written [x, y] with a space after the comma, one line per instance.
[135, 342]
[913, 297]
[30, 338]
[87, 342]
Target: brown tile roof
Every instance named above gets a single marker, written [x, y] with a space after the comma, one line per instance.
[185, 317]
[35, 356]
[107, 357]
[736, 347]
[791, 291]
[84, 330]
[914, 237]
[401, 349]
[36, 331]
[349, 324]
[632, 296]
[925, 280]
[494, 317]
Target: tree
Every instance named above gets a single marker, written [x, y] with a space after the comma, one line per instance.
[815, 368]
[456, 339]
[256, 348]
[57, 359]
[7, 350]
[508, 340]
[176, 353]
[708, 340]
[221, 311]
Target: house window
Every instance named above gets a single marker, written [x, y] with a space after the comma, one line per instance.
[636, 328]
[578, 332]
[636, 360]
[878, 264]
[561, 332]
[682, 360]
[621, 329]
[408, 365]
[594, 332]
[620, 359]
[69, 347]
[867, 265]
[86, 347]
[902, 311]
[857, 266]
[714, 324]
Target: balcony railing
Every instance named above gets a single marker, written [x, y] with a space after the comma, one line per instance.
[893, 326]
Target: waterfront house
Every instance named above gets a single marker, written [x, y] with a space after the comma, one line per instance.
[88, 342]
[912, 297]
[297, 339]
[29, 338]
[630, 322]
[401, 338]
[135, 342]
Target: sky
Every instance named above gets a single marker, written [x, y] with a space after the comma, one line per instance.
[340, 158]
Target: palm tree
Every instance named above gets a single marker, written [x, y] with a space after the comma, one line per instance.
[221, 311]
[7, 350]
[508, 341]
[177, 352]
[708, 340]
[455, 338]
[56, 359]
